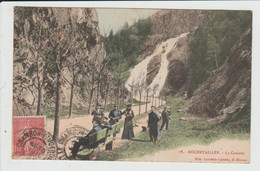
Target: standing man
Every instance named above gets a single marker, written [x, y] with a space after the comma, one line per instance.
[115, 115]
[128, 132]
[98, 115]
[166, 116]
[153, 119]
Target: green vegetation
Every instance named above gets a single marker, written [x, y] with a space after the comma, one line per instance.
[212, 43]
[183, 133]
[123, 47]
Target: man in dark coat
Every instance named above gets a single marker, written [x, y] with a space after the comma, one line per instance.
[98, 115]
[153, 119]
[85, 140]
[166, 116]
[128, 132]
[115, 115]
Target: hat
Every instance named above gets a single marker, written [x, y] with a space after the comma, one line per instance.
[128, 104]
[115, 105]
[153, 106]
[98, 104]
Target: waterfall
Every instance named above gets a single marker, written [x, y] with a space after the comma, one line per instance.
[139, 72]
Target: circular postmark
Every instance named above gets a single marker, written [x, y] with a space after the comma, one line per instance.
[67, 139]
[36, 144]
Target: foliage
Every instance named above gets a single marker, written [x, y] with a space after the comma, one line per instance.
[212, 43]
[184, 133]
[124, 45]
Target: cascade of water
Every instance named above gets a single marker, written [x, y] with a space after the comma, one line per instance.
[139, 72]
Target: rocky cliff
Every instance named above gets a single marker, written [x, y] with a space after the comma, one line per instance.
[171, 23]
[229, 88]
[168, 24]
[34, 27]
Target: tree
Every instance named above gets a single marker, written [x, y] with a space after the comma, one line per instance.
[140, 87]
[65, 41]
[107, 86]
[132, 86]
[212, 43]
[100, 69]
[155, 87]
[147, 90]
[32, 45]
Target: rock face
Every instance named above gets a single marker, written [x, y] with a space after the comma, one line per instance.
[178, 67]
[167, 24]
[171, 23]
[229, 88]
[26, 25]
[153, 68]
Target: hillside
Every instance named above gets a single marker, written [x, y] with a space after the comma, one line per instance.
[38, 36]
[228, 90]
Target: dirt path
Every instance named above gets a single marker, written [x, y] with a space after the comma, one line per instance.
[86, 121]
[230, 151]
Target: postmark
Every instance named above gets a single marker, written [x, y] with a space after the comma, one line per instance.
[67, 139]
[30, 140]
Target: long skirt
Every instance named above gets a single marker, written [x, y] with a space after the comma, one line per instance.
[128, 132]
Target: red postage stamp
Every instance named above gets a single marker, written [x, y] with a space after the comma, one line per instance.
[28, 136]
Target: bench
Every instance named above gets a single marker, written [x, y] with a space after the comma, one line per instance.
[105, 136]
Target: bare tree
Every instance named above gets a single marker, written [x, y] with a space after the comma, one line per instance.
[65, 41]
[147, 90]
[155, 87]
[140, 87]
[107, 86]
[132, 85]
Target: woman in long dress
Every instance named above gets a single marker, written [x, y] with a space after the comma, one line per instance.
[128, 132]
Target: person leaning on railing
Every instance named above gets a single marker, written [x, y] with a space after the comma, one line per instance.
[85, 140]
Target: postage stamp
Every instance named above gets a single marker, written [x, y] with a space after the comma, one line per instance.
[31, 140]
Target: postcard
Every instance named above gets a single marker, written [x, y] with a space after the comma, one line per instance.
[103, 84]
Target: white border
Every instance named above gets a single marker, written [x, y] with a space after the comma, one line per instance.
[6, 33]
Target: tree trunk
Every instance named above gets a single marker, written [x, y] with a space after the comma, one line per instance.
[71, 100]
[118, 95]
[98, 88]
[39, 89]
[90, 101]
[39, 99]
[146, 101]
[58, 106]
[155, 101]
[140, 98]
[91, 94]
[105, 105]
[152, 99]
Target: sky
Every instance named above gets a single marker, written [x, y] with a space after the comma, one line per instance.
[116, 18]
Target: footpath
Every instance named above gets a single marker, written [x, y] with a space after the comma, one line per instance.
[86, 122]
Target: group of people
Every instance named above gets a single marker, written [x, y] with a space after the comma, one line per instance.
[128, 133]
[154, 118]
[114, 116]
[100, 122]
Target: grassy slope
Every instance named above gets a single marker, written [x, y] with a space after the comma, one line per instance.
[183, 133]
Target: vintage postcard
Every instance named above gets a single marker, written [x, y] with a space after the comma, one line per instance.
[169, 85]
[110, 84]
